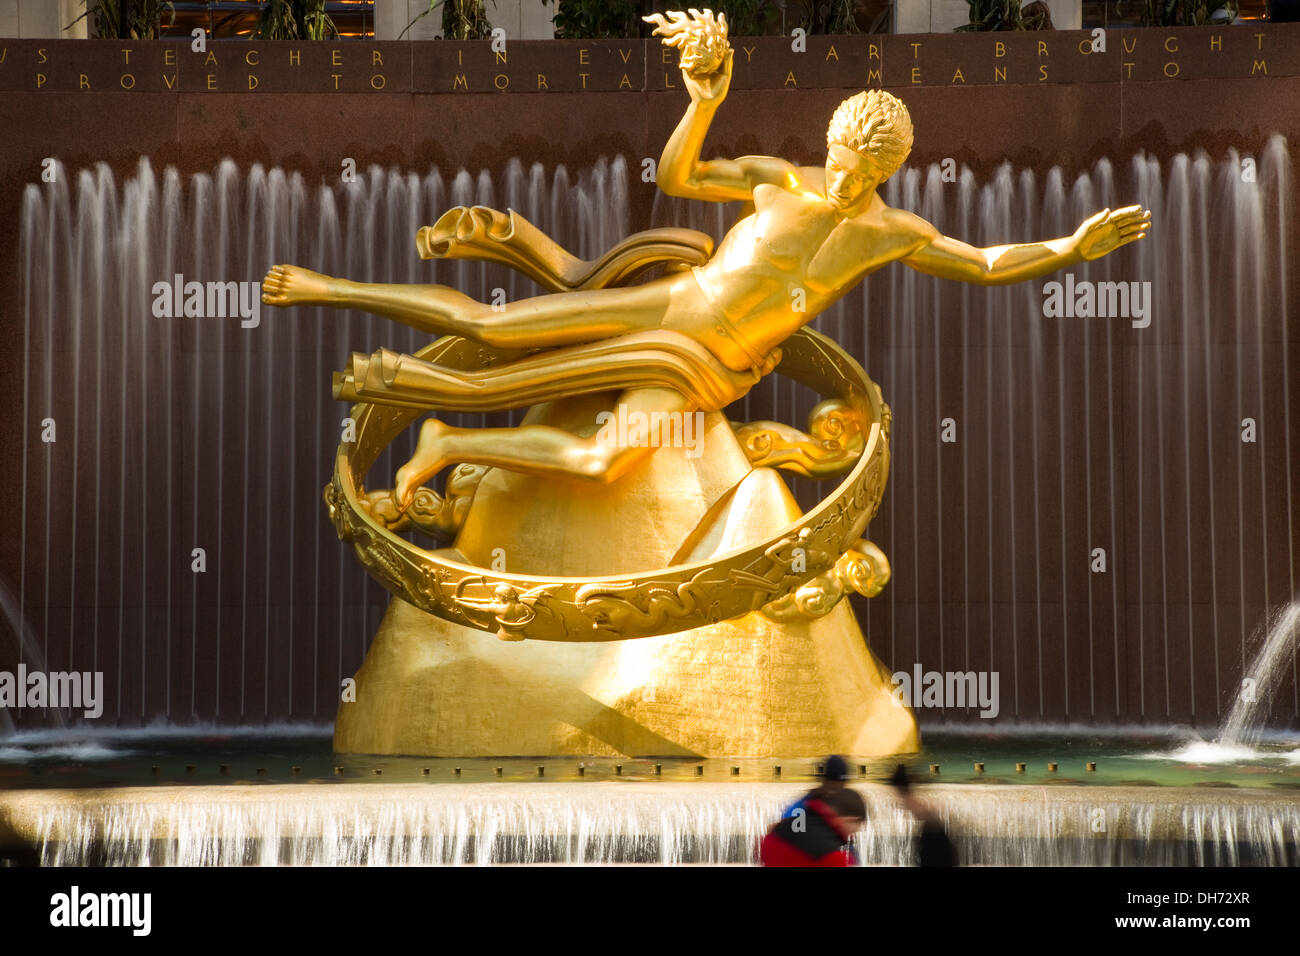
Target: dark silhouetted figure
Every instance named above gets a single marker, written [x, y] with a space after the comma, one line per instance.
[932, 845]
[818, 832]
[835, 776]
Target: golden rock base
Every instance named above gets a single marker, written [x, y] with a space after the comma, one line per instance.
[749, 687]
[746, 687]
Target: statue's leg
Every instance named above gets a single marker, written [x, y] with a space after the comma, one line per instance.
[546, 321]
[543, 450]
[424, 307]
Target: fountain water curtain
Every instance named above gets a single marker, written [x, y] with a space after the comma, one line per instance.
[663, 823]
[161, 447]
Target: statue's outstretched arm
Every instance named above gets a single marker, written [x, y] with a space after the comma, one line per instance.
[948, 258]
[706, 63]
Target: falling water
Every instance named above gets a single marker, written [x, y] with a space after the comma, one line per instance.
[1245, 722]
[29, 652]
[1072, 434]
[661, 823]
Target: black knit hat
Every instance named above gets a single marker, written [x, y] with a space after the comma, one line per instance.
[835, 769]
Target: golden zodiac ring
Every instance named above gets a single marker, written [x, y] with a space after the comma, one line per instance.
[803, 570]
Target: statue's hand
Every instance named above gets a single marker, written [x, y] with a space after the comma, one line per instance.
[711, 88]
[1108, 230]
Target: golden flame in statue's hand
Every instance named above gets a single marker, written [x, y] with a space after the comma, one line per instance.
[701, 39]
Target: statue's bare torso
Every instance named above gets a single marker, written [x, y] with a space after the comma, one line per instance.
[792, 257]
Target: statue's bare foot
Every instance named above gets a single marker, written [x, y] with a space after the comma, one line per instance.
[428, 460]
[294, 285]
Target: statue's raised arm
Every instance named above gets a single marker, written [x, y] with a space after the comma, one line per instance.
[706, 61]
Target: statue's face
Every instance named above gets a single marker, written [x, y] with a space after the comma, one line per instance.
[851, 177]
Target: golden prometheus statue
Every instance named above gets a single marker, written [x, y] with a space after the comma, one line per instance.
[592, 521]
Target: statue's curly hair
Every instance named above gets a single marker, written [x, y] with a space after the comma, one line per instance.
[876, 124]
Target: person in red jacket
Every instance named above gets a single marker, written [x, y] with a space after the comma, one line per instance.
[817, 833]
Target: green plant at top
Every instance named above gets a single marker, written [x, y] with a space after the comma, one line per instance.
[751, 18]
[987, 15]
[756, 18]
[144, 18]
[461, 19]
[587, 20]
[835, 17]
[1182, 13]
[295, 20]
